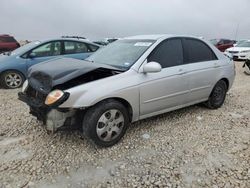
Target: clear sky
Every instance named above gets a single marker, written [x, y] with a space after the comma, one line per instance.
[40, 19]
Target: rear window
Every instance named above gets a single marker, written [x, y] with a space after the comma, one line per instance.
[227, 41]
[198, 51]
[7, 39]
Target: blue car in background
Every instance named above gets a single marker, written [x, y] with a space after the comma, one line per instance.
[14, 65]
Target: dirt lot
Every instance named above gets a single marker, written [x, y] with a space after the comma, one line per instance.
[192, 147]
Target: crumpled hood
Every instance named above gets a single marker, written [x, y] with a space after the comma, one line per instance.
[44, 76]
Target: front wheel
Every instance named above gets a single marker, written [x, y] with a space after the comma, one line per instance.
[11, 79]
[218, 95]
[106, 123]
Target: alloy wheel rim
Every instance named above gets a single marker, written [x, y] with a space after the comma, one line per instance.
[13, 80]
[110, 125]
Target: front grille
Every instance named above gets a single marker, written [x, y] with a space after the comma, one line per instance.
[233, 52]
[35, 95]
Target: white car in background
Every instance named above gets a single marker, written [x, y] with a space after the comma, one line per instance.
[240, 51]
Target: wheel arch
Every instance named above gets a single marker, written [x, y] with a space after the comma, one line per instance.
[8, 70]
[226, 81]
[123, 102]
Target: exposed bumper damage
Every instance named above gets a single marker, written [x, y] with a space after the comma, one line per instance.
[60, 74]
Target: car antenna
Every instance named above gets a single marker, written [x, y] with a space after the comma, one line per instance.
[236, 32]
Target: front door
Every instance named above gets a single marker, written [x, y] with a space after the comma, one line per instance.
[167, 89]
[44, 52]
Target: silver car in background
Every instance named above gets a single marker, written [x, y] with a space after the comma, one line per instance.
[131, 79]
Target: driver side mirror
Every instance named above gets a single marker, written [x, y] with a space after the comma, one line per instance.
[32, 55]
[152, 67]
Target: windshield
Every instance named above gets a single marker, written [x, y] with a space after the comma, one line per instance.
[25, 48]
[244, 44]
[121, 54]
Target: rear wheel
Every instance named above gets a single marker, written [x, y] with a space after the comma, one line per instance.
[106, 123]
[218, 95]
[11, 79]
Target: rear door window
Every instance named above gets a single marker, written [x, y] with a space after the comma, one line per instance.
[168, 53]
[71, 47]
[197, 51]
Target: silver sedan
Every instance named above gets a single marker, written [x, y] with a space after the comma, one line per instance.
[131, 79]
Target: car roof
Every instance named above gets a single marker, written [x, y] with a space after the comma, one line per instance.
[158, 36]
[69, 39]
[147, 37]
[5, 35]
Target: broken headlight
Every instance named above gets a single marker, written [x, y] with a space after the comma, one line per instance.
[56, 97]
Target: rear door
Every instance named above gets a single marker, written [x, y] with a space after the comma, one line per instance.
[77, 50]
[166, 89]
[202, 68]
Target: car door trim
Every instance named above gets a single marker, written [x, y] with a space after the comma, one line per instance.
[170, 109]
[200, 88]
[165, 97]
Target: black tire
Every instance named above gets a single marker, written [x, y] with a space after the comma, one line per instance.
[218, 95]
[16, 83]
[91, 122]
[246, 66]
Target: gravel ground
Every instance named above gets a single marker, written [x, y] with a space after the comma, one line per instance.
[191, 147]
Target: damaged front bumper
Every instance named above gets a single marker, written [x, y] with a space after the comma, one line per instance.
[44, 78]
[53, 117]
